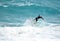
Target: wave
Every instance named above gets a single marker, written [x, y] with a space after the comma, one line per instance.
[44, 3]
[16, 9]
[16, 14]
[29, 22]
[30, 33]
[4, 24]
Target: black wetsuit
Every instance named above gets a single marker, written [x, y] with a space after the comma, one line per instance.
[38, 18]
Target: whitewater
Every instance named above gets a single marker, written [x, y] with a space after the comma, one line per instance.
[46, 32]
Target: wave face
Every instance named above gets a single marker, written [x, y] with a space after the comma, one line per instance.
[16, 12]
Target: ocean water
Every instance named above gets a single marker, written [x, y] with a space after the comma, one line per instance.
[16, 12]
[17, 24]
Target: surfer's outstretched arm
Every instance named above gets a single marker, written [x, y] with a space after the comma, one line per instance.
[42, 18]
[39, 17]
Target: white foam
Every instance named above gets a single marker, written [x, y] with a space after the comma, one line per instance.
[27, 33]
[5, 5]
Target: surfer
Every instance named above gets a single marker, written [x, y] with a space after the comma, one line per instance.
[39, 17]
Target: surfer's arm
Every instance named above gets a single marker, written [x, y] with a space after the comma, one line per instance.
[42, 18]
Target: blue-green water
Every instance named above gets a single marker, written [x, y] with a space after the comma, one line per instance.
[16, 12]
